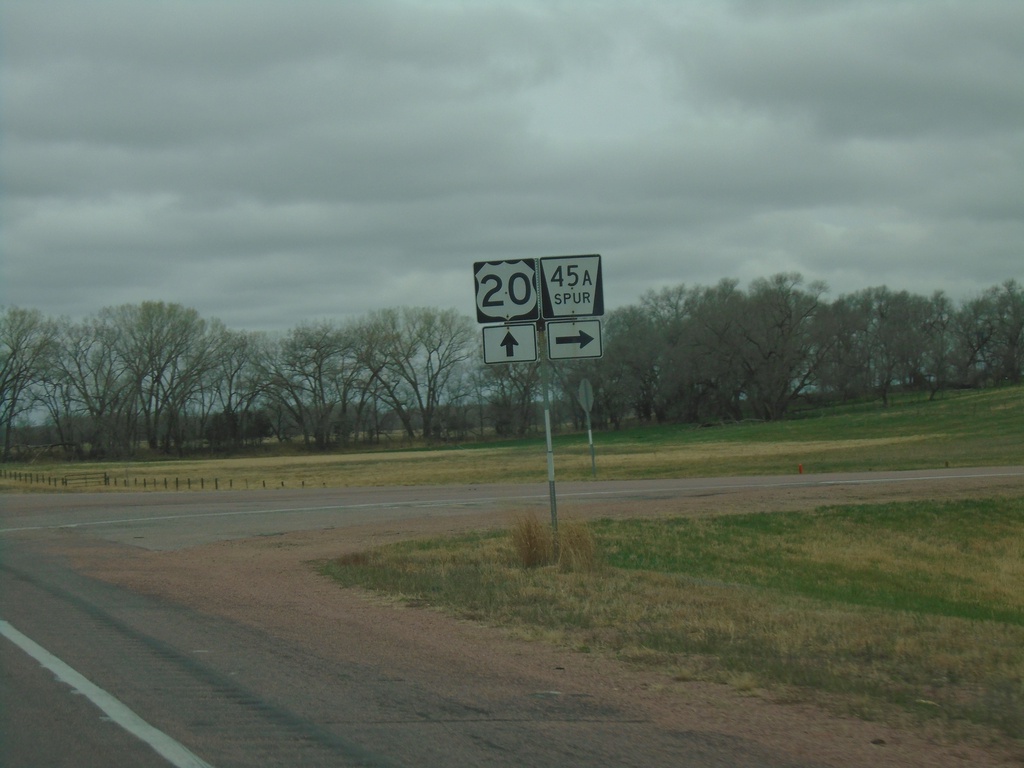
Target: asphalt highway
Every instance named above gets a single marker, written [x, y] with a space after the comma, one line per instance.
[170, 520]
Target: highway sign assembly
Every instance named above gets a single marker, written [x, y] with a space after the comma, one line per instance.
[555, 298]
[514, 343]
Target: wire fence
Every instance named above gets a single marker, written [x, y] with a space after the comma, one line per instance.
[78, 481]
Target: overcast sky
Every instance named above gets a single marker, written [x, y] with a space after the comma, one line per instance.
[270, 163]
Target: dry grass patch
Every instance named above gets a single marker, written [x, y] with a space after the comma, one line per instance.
[571, 548]
[533, 542]
[577, 547]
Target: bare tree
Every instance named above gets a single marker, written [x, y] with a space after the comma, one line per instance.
[634, 358]
[974, 329]
[413, 354]
[938, 343]
[716, 347]
[895, 333]
[100, 389]
[239, 381]
[312, 375]
[27, 345]
[778, 350]
[167, 350]
[512, 392]
[845, 369]
[681, 394]
[1008, 361]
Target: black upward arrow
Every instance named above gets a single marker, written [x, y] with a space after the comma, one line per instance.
[510, 344]
[583, 339]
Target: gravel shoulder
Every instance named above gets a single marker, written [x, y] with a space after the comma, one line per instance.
[270, 584]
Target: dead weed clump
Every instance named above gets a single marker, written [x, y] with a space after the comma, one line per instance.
[577, 547]
[532, 542]
[573, 548]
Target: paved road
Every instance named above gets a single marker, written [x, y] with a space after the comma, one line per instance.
[165, 521]
[215, 693]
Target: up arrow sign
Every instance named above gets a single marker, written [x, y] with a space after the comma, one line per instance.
[510, 344]
[569, 339]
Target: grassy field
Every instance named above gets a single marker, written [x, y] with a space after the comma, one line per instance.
[960, 429]
[913, 607]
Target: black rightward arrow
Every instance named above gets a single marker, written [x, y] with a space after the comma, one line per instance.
[510, 344]
[583, 339]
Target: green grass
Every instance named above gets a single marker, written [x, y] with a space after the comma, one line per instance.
[914, 606]
[923, 557]
[970, 428]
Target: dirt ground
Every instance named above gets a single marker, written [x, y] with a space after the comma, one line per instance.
[270, 583]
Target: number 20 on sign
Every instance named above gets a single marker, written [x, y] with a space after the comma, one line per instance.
[506, 290]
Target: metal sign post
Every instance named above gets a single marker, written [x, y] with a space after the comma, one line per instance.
[545, 378]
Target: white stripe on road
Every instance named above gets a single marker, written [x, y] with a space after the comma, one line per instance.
[172, 751]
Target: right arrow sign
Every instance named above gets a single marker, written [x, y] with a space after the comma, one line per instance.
[574, 339]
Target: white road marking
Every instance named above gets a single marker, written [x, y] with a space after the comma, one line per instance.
[172, 751]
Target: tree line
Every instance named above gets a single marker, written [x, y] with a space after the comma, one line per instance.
[159, 375]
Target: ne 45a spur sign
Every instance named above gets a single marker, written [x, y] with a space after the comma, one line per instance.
[559, 294]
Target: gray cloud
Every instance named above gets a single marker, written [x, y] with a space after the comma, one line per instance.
[272, 162]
